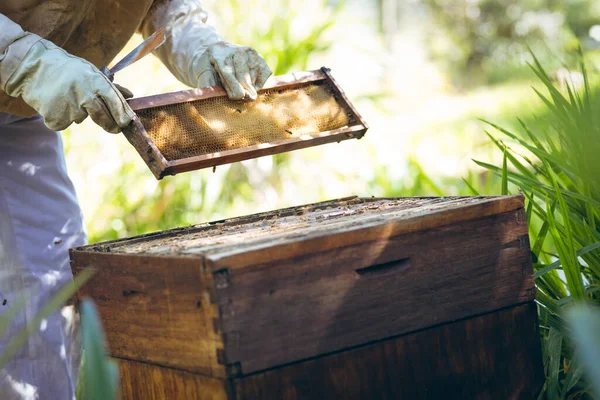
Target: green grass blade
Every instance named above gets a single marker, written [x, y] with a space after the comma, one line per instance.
[573, 377]
[100, 375]
[504, 174]
[52, 306]
[585, 332]
[529, 208]
[569, 251]
[471, 188]
[556, 264]
[553, 357]
[528, 184]
[10, 314]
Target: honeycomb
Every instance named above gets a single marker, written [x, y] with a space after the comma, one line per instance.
[218, 124]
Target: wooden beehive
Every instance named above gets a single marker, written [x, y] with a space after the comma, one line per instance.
[358, 298]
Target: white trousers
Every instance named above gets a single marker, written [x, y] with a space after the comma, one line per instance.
[40, 220]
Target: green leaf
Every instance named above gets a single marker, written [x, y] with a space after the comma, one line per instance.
[565, 245]
[556, 264]
[99, 373]
[584, 323]
[471, 188]
[504, 175]
[553, 359]
[10, 314]
[528, 184]
[529, 208]
[52, 306]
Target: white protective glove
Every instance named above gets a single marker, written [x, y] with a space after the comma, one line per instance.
[59, 86]
[198, 56]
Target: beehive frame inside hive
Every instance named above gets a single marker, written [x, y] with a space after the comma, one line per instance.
[161, 165]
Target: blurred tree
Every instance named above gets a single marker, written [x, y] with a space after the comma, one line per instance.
[485, 41]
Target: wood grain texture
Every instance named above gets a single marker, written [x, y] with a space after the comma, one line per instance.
[297, 307]
[320, 236]
[340, 92]
[136, 134]
[494, 356]
[183, 96]
[157, 310]
[263, 149]
[303, 227]
[140, 381]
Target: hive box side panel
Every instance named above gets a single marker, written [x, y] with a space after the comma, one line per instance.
[155, 309]
[302, 306]
[494, 356]
[140, 381]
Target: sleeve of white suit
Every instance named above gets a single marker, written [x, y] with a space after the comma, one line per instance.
[62, 88]
[186, 30]
[15, 43]
[198, 56]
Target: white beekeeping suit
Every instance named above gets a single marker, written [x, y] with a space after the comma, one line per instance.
[50, 52]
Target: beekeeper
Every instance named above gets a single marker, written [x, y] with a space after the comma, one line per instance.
[50, 52]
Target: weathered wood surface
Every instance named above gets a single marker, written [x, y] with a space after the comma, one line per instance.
[140, 381]
[156, 310]
[297, 307]
[494, 356]
[263, 149]
[183, 96]
[340, 92]
[296, 226]
[136, 134]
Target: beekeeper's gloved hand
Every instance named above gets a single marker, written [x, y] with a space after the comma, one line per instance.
[240, 70]
[198, 56]
[61, 87]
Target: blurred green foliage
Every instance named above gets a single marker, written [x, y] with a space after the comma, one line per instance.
[285, 46]
[98, 375]
[585, 334]
[485, 41]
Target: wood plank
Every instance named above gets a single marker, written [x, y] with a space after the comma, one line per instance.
[281, 81]
[345, 222]
[140, 381]
[367, 226]
[340, 92]
[121, 245]
[136, 134]
[494, 356]
[263, 149]
[158, 310]
[296, 307]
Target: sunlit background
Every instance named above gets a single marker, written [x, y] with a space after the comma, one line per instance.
[422, 73]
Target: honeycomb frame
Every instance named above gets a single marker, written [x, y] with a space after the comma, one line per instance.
[184, 131]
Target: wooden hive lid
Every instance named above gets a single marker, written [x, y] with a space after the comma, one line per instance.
[249, 233]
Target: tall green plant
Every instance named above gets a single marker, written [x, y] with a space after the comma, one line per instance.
[17, 341]
[558, 171]
[98, 377]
